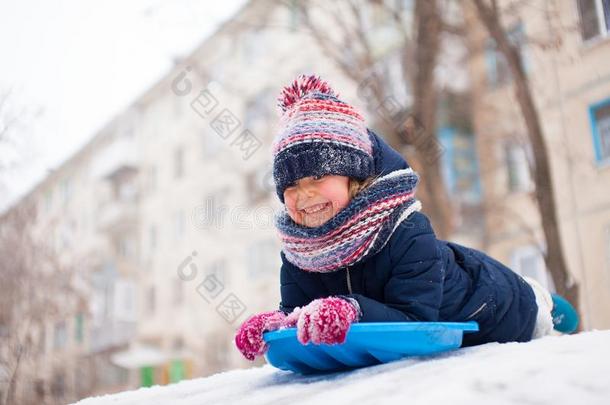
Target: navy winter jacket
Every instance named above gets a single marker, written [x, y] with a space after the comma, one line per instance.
[417, 277]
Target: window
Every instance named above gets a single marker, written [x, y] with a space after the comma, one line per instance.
[519, 178]
[594, 18]
[38, 389]
[127, 247]
[498, 72]
[58, 385]
[218, 270]
[263, 257]
[460, 164]
[66, 191]
[48, 200]
[395, 84]
[296, 16]
[125, 301]
[599, 115]
[528, 262]
[78, 327]
[152, 237]
[178, 163]
[63, 238]
[211, 213]
[253, 46]
[126, 190]
[151, 300]
[61, 336]
[152, 178]
[258, 115]
[179, 224]
[42, 339]
[259, 184]
[177, 107]
[178, 292]
[211, 144]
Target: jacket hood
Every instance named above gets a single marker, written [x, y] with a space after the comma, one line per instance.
[386, 158]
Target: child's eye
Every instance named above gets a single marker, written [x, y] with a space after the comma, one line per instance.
[318, 177]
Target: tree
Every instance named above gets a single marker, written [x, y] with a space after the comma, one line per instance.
[408, 127]
[36, 287]
[489, 14]
[14, 122]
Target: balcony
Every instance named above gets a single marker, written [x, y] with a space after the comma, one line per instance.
[117, 160]
[118, 215]
[113, 309]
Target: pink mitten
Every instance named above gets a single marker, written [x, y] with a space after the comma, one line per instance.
[326, 320]
[249, 337]
[293, 317]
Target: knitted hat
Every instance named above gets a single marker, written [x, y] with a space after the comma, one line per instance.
[319, 135]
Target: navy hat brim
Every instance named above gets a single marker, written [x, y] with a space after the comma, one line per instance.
[319, 159]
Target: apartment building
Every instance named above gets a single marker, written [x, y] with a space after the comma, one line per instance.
[82, 277]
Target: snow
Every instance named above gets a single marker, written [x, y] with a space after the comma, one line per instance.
[139, 356]
[552, 370]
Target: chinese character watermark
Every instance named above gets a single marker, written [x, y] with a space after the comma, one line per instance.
[222, 120]
[212, 290]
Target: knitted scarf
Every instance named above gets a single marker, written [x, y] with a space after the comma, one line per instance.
[358, 231]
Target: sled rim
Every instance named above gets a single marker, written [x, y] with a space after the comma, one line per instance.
[376, 327]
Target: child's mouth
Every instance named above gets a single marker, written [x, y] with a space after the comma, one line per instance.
[316, 208]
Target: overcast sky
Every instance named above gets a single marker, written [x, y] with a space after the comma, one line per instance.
[81, 61]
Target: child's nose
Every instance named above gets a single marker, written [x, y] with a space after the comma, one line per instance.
[307, 190]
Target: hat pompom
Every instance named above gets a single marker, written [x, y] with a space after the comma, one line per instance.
[302, 86]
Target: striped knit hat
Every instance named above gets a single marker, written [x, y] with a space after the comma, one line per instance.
[319, 135]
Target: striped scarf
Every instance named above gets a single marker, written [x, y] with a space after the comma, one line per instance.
[358, 231]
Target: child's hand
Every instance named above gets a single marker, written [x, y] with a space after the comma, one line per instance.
[249, 337]
[326, 320]
[293, 317]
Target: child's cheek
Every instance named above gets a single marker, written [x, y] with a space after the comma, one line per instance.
[339, 198]
[293, 214]
[290, 206]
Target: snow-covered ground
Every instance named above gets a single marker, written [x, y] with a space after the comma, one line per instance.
[553, 370]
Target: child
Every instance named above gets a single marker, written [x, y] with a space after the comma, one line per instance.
[357, 249]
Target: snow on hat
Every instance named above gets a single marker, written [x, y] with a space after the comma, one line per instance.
[319, 135]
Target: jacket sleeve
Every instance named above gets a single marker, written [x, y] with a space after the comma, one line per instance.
[415, 288]
[292, 295]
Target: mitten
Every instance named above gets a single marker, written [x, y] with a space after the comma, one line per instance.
[249, 337]
[326, 320]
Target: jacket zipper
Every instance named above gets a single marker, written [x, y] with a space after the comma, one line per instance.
[477, 311]
[349, 282]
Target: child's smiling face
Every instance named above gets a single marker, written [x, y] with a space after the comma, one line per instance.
[312, 201]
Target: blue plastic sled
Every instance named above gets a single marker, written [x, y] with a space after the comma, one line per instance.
[366, 344]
